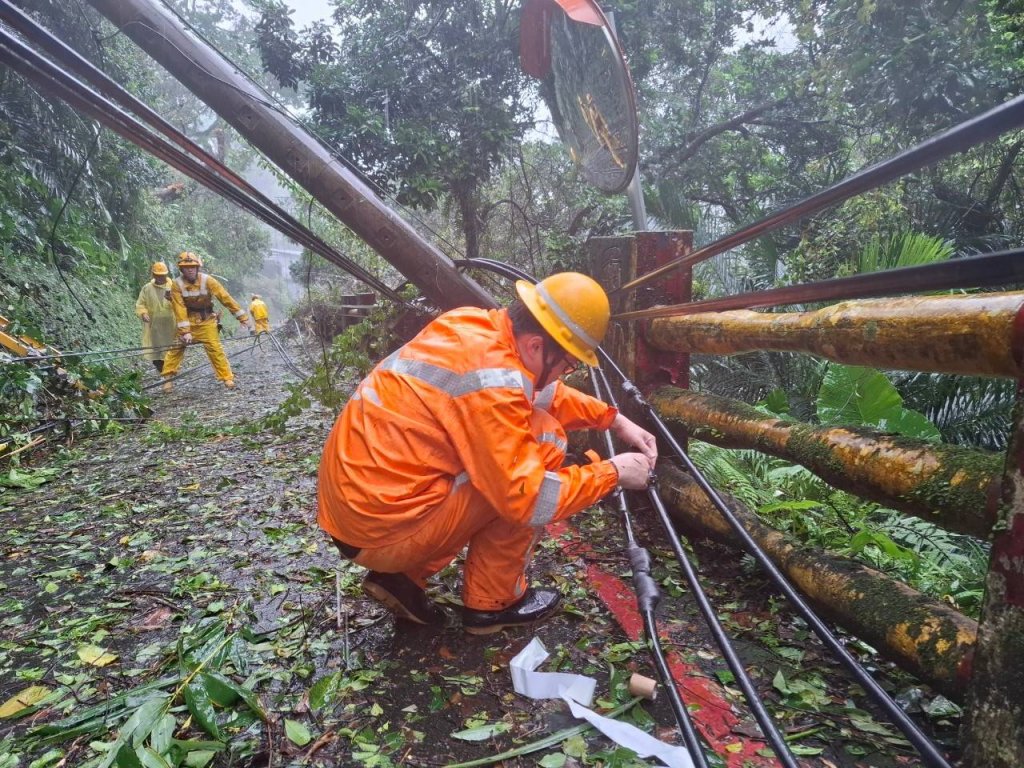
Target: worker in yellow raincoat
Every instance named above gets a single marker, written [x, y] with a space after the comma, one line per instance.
[153, 308]
[192, 295]
[260, 315]
[459, 438]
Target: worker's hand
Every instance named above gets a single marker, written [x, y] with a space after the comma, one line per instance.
[634, 470]
[186, 339]
[635, 436]
[145, 317]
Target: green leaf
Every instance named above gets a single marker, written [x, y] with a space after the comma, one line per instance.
[912, 424]
[163, 734]
[200, 704]
[126, 758]
[135, 730]
[481, 733]
[224, 684]
[322, 690]
[297, 733]
[554, 760]
[802, 751]
[852, 395]
[779, 683]
[220, 689]
[199, 759]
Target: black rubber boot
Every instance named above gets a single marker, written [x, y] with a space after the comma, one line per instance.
[536, 605]
[403, 597]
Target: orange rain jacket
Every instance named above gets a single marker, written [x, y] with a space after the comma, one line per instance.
[452, 404]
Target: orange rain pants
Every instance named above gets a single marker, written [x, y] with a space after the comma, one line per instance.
[499, 550]
[203, 332]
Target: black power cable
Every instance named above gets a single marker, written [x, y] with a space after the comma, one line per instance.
[984, 127]
[927, 749]
[647, 598]
[754, 701]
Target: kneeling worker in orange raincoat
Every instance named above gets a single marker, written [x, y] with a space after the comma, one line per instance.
[459, 437]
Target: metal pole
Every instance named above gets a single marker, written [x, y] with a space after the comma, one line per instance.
[635, 190]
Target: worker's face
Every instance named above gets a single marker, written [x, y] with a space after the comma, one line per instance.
[159, 279]
[190, 273]
[545, 364]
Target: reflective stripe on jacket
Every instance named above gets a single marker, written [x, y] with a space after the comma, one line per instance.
[197, 299]
[451, 406]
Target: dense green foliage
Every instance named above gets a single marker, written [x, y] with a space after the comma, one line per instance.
[425, 98]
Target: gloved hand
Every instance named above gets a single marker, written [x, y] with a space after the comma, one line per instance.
[186, 339]
[635, 436]
[634, 470]
[145, 317]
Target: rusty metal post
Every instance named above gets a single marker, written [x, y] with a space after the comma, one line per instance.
[994, 726]
[655, 367]
[615, 261]
[612, 263]
[238, 100]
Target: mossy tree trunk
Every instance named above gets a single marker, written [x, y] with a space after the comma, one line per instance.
[972, 335]
[955, 488]
[924, 636]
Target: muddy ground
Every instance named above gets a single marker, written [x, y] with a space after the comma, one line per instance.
[180, 560]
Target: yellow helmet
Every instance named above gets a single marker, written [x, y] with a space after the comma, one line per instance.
[572, 308]
[189, 259]
[159, 268]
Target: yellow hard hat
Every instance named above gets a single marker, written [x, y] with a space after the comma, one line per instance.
[572, 308]
[159, 268]
[189, 259]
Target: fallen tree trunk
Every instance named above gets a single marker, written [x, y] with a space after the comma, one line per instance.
[973, 335]
[926, 637]
[953, 487]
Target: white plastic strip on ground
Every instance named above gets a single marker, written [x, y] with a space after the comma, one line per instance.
[578, 691]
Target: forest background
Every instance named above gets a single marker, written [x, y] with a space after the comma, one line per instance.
[745, 106]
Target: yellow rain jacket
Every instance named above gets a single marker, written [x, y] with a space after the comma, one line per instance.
[454, 405]
[193, 302]
[193, 310]
[159, 332]
[260, 315]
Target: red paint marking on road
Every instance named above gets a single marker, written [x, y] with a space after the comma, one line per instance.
[714, 718]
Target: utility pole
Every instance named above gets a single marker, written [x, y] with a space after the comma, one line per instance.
[239, 101]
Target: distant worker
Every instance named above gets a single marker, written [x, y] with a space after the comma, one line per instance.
[459, 437]
[153, 308]
[192, 295]
[260, 315]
